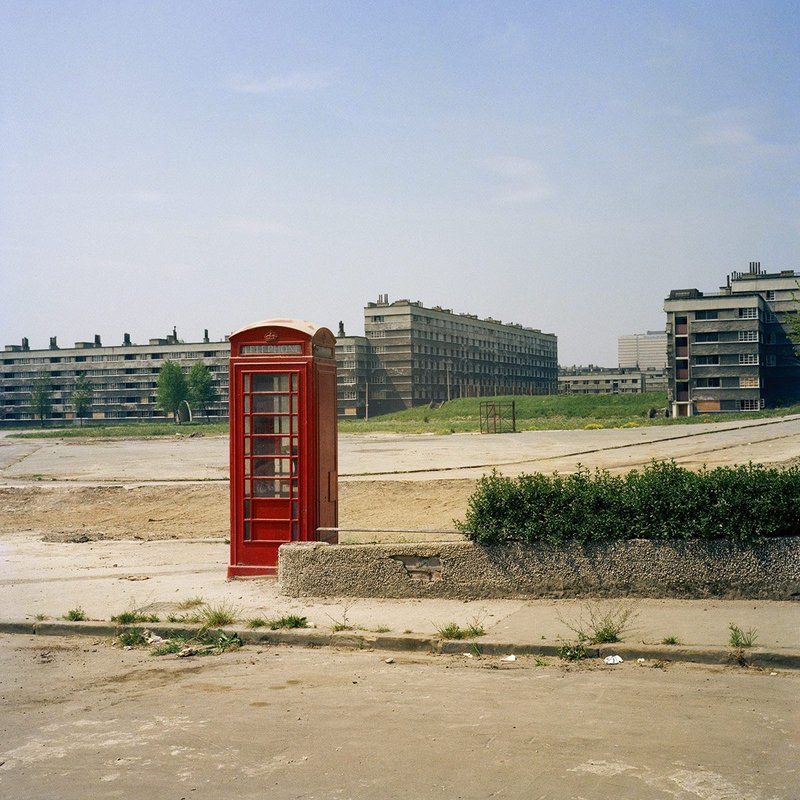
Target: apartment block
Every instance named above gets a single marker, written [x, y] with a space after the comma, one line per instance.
[123, 377]
[730, 350]
[606, 380]
[429, 355]
[647, 351]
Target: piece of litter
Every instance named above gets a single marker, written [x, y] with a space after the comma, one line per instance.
[509, 658]
[640, 660]
[773, 673]
[613, 659]
[467, 655]
[389, 661]
[134, 577]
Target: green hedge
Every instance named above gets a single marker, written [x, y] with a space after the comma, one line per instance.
[663, 501]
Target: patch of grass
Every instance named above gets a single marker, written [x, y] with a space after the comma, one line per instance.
[739, 639]
[257, 622]
[134, 616]
[76, 614]
[191, 602]
[572, 651]
[670, 640]
[599, 625]
[132, 430]
[382, 629]
[452, 630]
[205, 643]
[289, 621]
[133, 637]
[219, 615]
[41, 617]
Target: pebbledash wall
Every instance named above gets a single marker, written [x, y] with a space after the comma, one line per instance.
[626, 568]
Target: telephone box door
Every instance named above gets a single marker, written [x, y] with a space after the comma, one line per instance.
[271, 439]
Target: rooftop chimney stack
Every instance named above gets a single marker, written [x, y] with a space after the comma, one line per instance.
[53, 343]
[25, 345]
[97, 342]
[205, 335]
[126, 340]
[755, 267]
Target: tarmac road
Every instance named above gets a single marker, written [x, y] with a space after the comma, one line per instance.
[405, 457]
[83, 719]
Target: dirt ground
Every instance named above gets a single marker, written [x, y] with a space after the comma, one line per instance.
[201, 511]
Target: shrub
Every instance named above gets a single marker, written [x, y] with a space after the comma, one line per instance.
[663, 501]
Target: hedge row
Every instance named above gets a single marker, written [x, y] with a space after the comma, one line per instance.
[663, 501]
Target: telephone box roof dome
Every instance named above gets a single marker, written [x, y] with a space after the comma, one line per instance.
[301, 325]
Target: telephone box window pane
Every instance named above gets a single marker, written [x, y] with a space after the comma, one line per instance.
[268, 425]
[265, 467]
[247, 425]
[270, 383]
[270, 403]
[295, 535]
[247, 404]
[248, 487]
[247, 446]
[294, 381]
[271, 488]
[248, 467]
[247, 531]
[247, 383]
[247, 509]
[272, 446]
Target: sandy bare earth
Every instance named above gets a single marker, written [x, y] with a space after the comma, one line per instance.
[201, 511]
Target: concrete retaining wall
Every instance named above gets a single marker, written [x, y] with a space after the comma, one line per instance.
[462, 570]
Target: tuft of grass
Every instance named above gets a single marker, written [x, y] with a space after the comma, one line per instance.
[670, 640]
[133, 637]
[76, 614]
[257, 622]
[205, 643]
[343, 623]
[134, 616]
[382, 629]
[739, 638]
[599, 625]
[216, 616]
[289, 621]
[191, 602]
[572, 651]
[452, 630]
[41, 617]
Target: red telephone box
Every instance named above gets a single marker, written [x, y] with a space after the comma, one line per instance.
[283, 484]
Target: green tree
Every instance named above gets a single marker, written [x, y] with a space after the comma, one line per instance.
[201, 387]
[82, 396]
[42, 396]
[172, 389]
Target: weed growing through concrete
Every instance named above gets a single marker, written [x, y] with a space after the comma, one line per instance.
[205, 643]
[382, 629]
[670, 640]
[40, 617]
[739, 638]
[134, 616]
[76, 614]
[289, 621]
[344, 623]
[191, 602]
[452, 630]
[257, 622]
[133, 637]
[601, 625]
[572, 651]
[222, 614]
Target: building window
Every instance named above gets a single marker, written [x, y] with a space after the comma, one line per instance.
[770, 294]
[708, 383]
[748, 313]
[748, 358]
[748, 336]
[750, 405]
[748, 381]
[706, 315]
[770, 361]
[705, 360]
[710, 336]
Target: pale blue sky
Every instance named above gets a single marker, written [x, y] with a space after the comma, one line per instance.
[558, 164]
